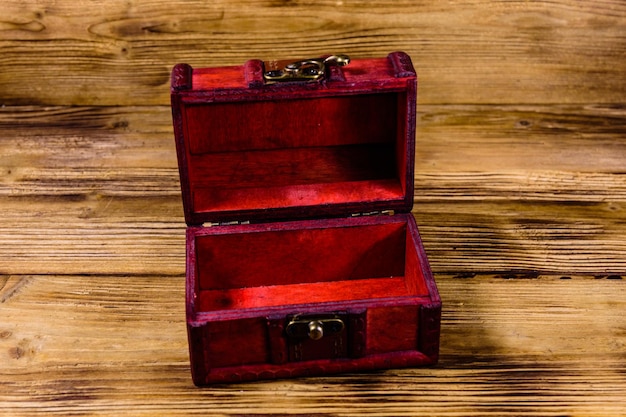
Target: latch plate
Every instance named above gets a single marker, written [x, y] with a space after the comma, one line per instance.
[303, 70]
[312, 336]
[314, 327]
[316, 336]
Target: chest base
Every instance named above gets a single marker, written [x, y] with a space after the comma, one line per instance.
[313, 297]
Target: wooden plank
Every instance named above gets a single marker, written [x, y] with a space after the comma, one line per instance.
[93, 235]
[76, 139]
[117, 345]
[523, 237]
[520, 139]
[120, 53]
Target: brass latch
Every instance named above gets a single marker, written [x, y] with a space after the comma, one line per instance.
[313, 336]
[314, 327]
[306, 70]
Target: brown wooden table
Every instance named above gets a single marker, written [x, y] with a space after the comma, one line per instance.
[520, 197]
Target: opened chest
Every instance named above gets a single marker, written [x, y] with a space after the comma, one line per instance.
[303, 257]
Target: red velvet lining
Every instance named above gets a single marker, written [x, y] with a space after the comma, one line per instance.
[295, 195]
[315, 265]
[306, 152]
[295, 123]
[280, 295]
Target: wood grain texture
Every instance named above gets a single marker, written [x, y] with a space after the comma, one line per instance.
[120, 52]
[117, 345]
[519, 182]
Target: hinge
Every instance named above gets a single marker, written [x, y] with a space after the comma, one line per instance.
[374, 213]
[238, 222]
[231, 223]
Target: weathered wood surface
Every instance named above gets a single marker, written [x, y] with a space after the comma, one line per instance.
[520, 183]
[116, 345]
[120, 52]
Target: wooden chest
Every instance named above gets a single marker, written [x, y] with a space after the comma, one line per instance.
[303, 257]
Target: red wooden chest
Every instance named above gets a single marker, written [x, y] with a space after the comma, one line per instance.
[303, 257]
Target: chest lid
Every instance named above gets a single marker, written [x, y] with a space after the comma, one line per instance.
[252, 148]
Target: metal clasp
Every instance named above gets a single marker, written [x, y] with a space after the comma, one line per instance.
[305, 70]
[314, 327]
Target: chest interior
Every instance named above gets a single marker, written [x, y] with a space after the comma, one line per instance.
[249, 155]
[319, 262]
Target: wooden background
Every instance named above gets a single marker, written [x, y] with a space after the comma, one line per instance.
[520, 197]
